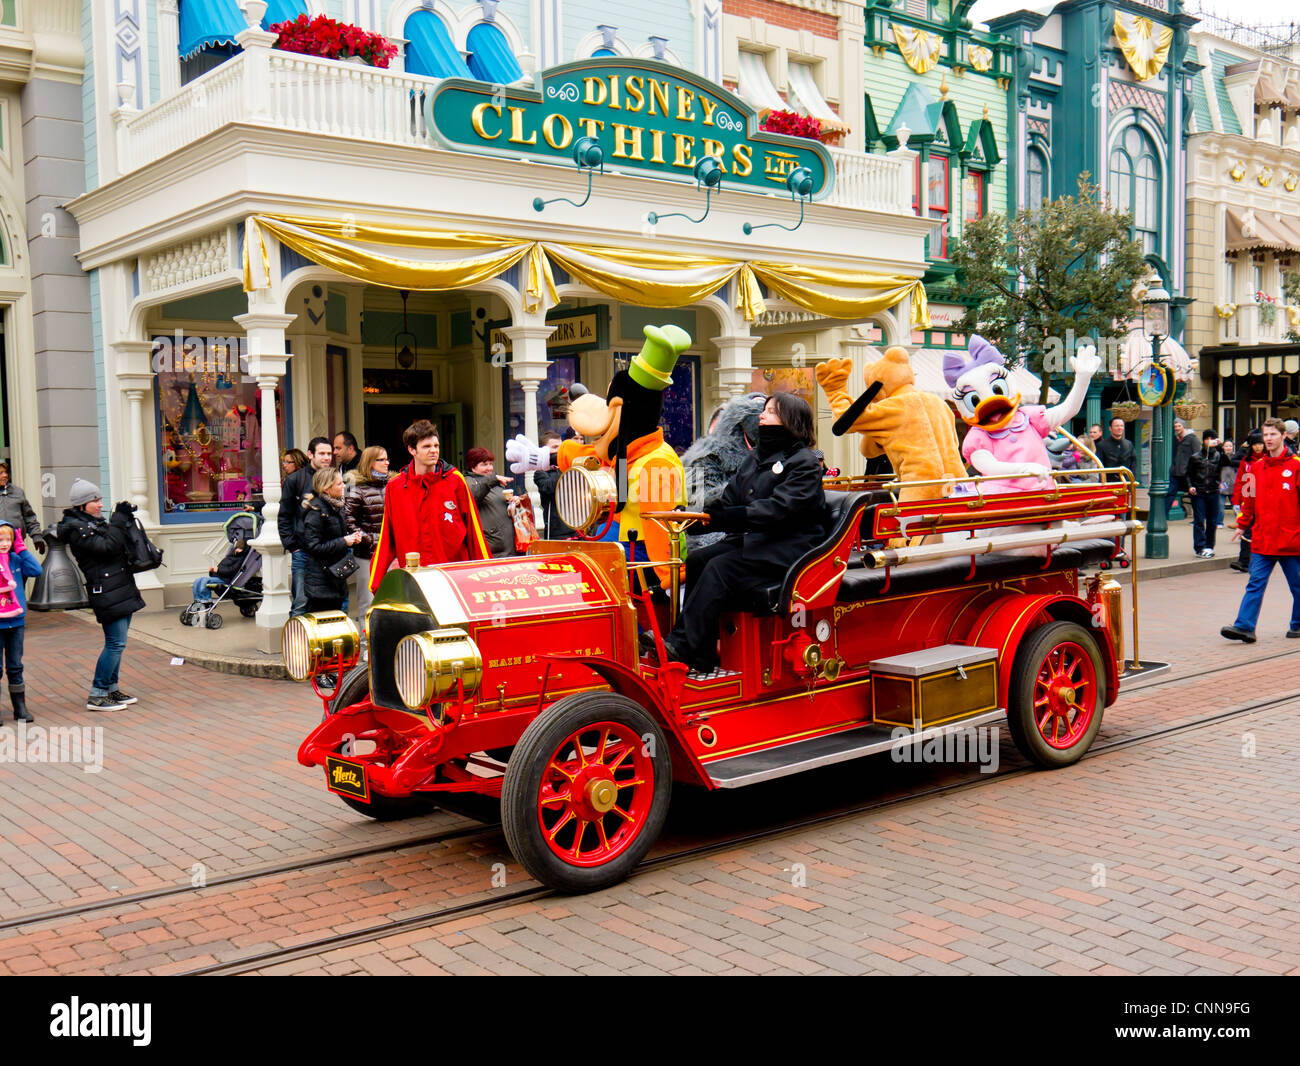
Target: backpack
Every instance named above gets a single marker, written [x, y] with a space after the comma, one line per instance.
[141, 553]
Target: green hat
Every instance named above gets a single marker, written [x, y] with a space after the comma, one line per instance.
[652, 368]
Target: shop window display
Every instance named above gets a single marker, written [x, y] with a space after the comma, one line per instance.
[209, 432]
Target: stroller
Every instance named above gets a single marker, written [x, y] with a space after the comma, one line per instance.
[238, 578]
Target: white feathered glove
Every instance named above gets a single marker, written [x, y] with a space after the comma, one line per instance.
[525, 456]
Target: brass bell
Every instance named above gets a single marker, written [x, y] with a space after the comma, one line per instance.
[60, 586]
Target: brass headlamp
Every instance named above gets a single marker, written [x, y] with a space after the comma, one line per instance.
[584, 493]
[428, 665]
[312, 643]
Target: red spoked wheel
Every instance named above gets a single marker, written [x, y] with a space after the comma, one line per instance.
[1056, 695]
[586, 791]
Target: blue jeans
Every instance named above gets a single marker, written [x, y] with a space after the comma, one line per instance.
[1261, 566]
[110, 658]
[1207, 513]
[11, 647]
[299, 584]
[201, 591]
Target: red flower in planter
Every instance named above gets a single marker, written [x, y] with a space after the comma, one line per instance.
[323, 36]
[792, 124]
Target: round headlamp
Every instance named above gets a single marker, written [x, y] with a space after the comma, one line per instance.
[427, 665]
[583, 496]
[311, 643]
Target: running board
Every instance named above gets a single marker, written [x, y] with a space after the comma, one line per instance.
[1142, 669]
[826, 750]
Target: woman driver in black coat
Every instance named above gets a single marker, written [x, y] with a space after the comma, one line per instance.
[773, 511]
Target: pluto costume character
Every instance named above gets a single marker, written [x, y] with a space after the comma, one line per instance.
[625, 435]
[913, 429]
[1005, 437]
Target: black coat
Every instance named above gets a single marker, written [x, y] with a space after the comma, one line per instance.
[323, 530]
[1113, 453]
[1205, 471]
[1184, 448]
[289, 521]
[776, 517]
[100, 550]
[363, 505]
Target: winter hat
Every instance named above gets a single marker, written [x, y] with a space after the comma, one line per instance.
[1292, 426]
[83, 492]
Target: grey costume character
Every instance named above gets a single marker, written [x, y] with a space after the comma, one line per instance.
[713, 460]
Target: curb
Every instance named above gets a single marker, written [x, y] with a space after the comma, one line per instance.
[272, 669]
[1155, 573]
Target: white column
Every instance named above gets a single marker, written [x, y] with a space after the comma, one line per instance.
[169, 48]
[256, 43]
[735, 367]
[264, 327]
[529, 363]
[135, 376]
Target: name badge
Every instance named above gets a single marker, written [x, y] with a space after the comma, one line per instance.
[777, 467]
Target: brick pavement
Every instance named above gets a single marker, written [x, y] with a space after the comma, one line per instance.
[187, 781]
[1162, 859]
[203, 770]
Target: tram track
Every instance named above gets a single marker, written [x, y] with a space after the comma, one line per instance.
[226, 880]
[442, 915]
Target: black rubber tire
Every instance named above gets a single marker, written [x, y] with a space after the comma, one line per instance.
[248, 610]
[214, 620]
[187, 617]
[523, 781]
[1034, 646]
[354, 688]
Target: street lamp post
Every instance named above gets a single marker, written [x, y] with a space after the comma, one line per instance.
[1155, 322]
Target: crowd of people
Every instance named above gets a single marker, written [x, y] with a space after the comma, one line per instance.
[345, 518]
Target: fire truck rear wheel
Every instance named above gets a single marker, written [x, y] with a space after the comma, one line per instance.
[1057, 694]
[586, 791]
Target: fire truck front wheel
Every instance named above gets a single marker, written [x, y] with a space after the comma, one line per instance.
[586, 791]
[1056, 696]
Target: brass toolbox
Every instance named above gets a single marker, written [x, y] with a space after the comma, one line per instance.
[933, 686]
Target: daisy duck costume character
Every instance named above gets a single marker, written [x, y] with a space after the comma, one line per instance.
[1005, 439]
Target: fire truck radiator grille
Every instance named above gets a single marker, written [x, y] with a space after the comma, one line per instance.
[387, 628]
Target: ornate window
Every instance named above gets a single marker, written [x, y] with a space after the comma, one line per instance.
[937, 178]
[1036, 184]
[1135, 185]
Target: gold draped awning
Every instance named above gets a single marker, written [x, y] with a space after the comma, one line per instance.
[445, 260]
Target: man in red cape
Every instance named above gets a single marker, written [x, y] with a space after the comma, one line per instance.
[427, 509]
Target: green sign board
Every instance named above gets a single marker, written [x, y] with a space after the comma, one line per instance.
[649, 118]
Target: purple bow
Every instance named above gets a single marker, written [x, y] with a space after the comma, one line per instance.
[978, 352]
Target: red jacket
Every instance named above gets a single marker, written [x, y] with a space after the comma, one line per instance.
[1242, 468]
[1271, 500]
[432, 514]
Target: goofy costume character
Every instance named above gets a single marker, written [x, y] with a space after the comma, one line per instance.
[625, 435]
[432, 514]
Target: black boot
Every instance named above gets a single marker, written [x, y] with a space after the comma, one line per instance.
[18, 693]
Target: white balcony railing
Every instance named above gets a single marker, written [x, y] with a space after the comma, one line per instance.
[283, 90]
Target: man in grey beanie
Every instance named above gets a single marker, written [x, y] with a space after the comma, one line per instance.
[100, 549]
[1292, 437]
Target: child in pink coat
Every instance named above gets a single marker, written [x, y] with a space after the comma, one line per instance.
[17, 564]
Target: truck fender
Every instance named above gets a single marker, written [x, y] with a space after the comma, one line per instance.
[1004, 624]
[686, 765]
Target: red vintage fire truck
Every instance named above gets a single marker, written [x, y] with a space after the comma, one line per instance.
[521, 678]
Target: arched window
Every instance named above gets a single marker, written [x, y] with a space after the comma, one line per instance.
[490, 57]
[430, 51]
[1036, 183]
[1135, 185]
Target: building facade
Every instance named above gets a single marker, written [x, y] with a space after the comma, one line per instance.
[277, 246]
[1243, 209]
[1104, 87]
